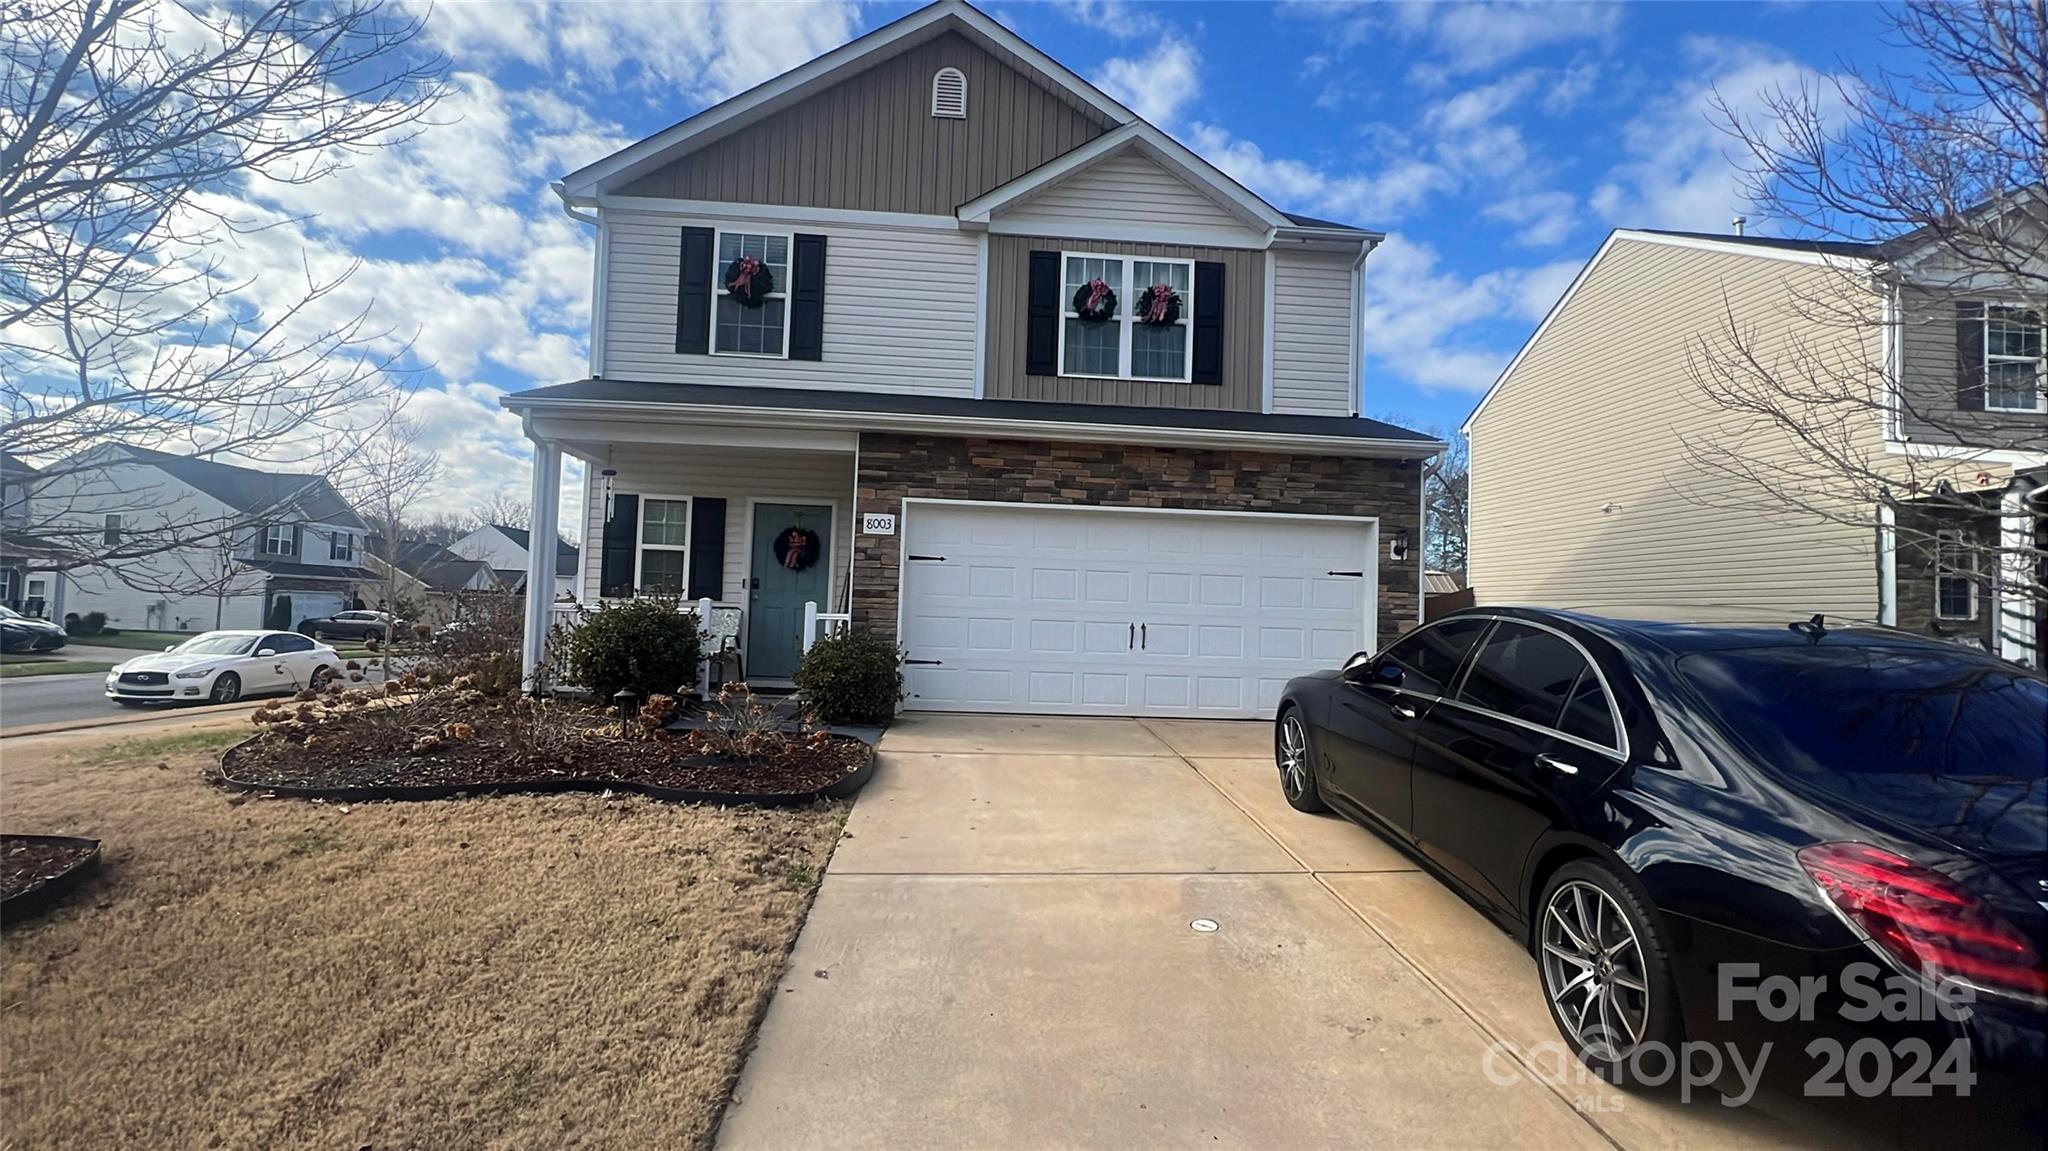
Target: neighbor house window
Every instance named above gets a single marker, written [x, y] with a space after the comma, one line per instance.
[277, 540]
[664, 545]
[111, 532]
[1124, 347]
[1955, 577]
[2012, 360]
[341, 546]
[761, 330]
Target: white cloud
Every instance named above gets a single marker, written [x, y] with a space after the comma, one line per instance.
[1118, 18]
[1544, 218]
[1295, 184]
[1429, 324]
[1156, 85]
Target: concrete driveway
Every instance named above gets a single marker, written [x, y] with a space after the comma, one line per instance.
[1007, 951]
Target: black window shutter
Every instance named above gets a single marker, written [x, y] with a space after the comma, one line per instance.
[806, 301]
[707, 543]
[1970, 355]
[693, 293]
[621, 532]
[297, 551]
[1208, 365]
[1042, 316]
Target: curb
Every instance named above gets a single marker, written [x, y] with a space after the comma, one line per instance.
[842, 788]
[124, 720]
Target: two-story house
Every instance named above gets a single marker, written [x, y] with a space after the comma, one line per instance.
[262, 547]
[504, 550]
[1880, 454]
[932, 333]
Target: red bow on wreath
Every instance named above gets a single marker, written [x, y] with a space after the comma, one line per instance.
[743, 276]
[1158, 298]
[1096, 290]
[796, 543]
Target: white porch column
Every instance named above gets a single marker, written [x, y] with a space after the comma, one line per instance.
[540, 555]
[2013, 607]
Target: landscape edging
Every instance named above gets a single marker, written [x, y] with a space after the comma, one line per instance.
[39, 898]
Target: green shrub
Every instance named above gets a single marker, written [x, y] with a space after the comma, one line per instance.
[853, 677]
[648, 645]
[91, 623]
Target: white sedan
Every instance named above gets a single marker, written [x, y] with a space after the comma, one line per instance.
[224, 666]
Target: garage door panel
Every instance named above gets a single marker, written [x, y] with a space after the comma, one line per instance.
[1033, 608]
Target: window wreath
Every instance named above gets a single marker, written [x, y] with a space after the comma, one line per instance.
[797, 548]
[1159, 306]
[749, 281]
[1094, 302]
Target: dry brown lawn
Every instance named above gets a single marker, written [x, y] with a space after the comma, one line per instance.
[569, 971]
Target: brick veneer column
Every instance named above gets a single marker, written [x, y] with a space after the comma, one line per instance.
[896, 467]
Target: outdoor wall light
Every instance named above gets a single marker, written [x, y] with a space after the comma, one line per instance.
[1398, 547]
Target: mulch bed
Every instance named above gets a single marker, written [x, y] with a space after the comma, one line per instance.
[36, 869]
[363, 756]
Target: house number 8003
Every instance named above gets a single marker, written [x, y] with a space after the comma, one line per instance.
[877, 524]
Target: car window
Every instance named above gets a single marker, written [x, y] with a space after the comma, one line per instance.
[1586, 714]
[213, 643]
[352, 616]
[286, 641]
[1523, 672]
[1429, 658]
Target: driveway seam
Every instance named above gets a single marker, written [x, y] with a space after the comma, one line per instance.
[1455, 1000]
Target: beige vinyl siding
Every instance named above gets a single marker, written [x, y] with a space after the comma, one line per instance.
[1312, 318]
[899, 310]
[1128, 188]
[735, 475]
[1244, 290]
[1596, 416]
[871, 142]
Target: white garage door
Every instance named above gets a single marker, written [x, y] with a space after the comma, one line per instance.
[1072, 611]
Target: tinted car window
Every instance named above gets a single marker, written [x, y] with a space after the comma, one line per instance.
[1429, 658]
[1523, 672]
[1586, 714]
[284, 641]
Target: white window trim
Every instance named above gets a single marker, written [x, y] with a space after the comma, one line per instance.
[781, 291]
[1944, 540]
[641, 547]
[347, 540]
[2040, 368]
[1126, 320]
[270, 535]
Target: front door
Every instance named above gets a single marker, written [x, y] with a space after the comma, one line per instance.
[792, 565]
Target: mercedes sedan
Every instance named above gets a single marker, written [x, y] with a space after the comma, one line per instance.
[222, 667]
[1830, 840]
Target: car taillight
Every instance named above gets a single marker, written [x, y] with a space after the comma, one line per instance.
[1925, 920]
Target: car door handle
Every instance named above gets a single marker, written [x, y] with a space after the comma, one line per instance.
[1556, 764]
[1401, 710]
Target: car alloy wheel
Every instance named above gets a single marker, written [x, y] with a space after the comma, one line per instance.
[226, 689]
[1594, 971]
[1293, 756]
[321, 677]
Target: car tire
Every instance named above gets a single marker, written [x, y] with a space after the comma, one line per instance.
[319, 636]
[1294, 756]
[322, 676]
[227, 688]
[1624, 983]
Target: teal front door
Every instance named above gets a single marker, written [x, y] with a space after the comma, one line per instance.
[792, 564]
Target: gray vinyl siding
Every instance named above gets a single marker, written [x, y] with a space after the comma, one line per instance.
[1927, 381]
[1244, 288]
[1127, 188]
[1583, 495]
[1312, 334]
[899, 305]
[871, 143]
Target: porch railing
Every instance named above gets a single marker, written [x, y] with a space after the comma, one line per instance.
[566, 616]
[822, 624]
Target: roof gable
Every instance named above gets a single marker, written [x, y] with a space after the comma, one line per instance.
[254, 492]
[1133, 154]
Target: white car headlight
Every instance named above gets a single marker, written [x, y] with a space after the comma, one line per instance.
[193, 673]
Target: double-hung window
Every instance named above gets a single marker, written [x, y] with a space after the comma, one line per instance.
[341, 546]
[761, 329]
[277, 540]
[664, 553]
[110, 529]
[2013, 360]
[1955, 577]
[1126, 346]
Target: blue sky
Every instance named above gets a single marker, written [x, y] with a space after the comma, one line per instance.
[1495, 144]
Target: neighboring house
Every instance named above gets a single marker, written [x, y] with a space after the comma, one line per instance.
[840, 357]
[504, 549]
[1584, 494]
[22, 586]
[429, 575]
[292, 547]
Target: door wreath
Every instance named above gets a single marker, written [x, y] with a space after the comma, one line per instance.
[797, 548]
[1159, 306]
[1094, 302]
[749, 281]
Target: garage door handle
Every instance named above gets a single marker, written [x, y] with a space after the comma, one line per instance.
[1354, 575]
[929, 559]
[1141, 637]
[1132, 642]
[925, 662]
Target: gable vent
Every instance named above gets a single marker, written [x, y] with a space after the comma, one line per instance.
[949, 94]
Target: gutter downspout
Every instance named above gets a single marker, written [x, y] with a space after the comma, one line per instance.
[1887, 566]
[600, 268]
[1358, 327]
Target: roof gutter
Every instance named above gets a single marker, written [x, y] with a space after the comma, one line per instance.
[744, 415]
[571, 203]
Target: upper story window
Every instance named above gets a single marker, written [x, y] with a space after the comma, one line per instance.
[110, 531]
[1148, 333]
[1955, 577]
[663, 563]
[2013, 360]
[277, 540]
[341, 546]
[750, 294]
[949, 94]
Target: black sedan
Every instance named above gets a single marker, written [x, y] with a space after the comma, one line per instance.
[1831, 840]
[26, 633]
[360, 625]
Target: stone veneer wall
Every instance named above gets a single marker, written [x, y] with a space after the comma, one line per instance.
[1914, 572]
[893, 467]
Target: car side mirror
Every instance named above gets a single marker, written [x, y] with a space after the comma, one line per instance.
[170, 647]
[262, 653]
